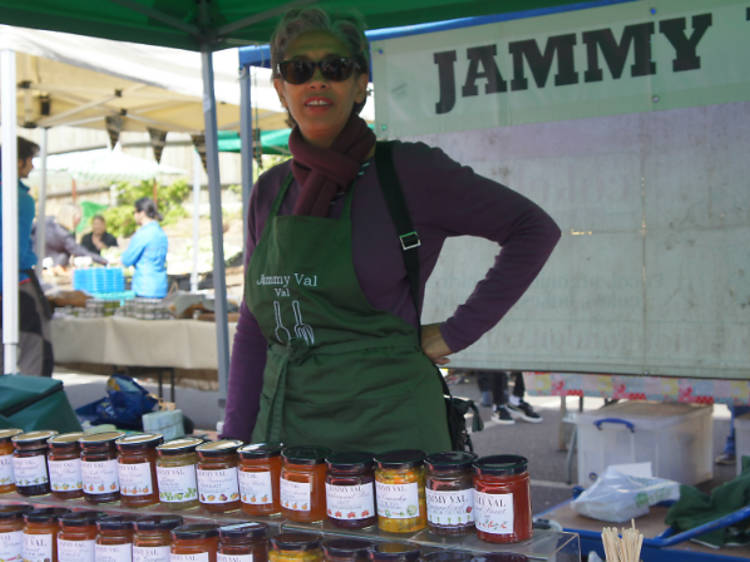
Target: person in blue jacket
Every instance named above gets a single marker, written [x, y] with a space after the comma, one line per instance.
[147, 251]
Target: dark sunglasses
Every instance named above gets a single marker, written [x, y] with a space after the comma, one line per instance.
[333, 67]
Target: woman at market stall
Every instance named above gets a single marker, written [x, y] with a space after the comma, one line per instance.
[147, 252]
[328, 348]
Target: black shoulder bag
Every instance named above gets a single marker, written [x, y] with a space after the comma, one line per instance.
[456, 407]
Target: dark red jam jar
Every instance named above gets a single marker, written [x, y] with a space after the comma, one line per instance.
[350, 490]
[30, 462]
[395, 552]
[449, 491]
[346, 550]
[243, 542]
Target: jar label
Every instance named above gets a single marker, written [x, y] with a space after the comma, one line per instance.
[99, 477]
[200, 557]
[450, 507]
[218, 486]
[234, 557]
[113, 552]
[37, 548]
[135, 479]
[494, 513]
[6, 470]
[150, 553]
[177, 484]
[255, 487]
[65, 476]
[75, 551]
[397, 501]
[295, 495]
[350, 502]
[30, 471]
[11, 546]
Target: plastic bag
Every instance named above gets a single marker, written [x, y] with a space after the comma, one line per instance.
[618, 496]
[124, 405]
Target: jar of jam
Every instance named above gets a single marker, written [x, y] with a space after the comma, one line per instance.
[399, 491]
[114, 542]
[449, 491]
[175, 473]
[502, 500]
[295, 547]
[40, 533]
[99, 467]
[302, 483]
[244, 542]
[346, 550]
[452, 556]
[64, 463]
[11, 530]
[350, 490]
[259, 473]
[77, 536]
[136, 469]
[152, 538]
[395, 552]
[30, 462]
[218, 490]
[7, 481]
[191, 543]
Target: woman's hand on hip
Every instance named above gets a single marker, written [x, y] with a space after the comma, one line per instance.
[434, 345]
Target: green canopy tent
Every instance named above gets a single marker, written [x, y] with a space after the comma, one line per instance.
[271, 142]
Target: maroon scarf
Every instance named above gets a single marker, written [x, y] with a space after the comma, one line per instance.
[323, 172]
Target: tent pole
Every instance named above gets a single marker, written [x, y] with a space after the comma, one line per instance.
[246, 149]
[41, 224]
[197, 165]
[217, 232]
[9, 210]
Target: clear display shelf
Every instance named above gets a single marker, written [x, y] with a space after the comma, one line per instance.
[557, 546]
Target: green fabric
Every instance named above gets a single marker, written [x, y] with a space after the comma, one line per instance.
[272, 142]
[696, 508]
[52, 411]
[338, 372]
[89, 210]
[183, 24]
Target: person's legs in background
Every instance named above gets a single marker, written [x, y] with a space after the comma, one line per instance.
[517, 406]
[500, 412]
[484, 381]
[729, 454]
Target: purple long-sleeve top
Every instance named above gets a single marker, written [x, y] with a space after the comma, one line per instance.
[444, 199]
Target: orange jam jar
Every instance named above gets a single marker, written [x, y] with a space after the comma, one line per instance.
[175, 473]
[7, 481]
[258, 477]
[350, 490]
[11, 531]
[152, 539]
[346, 550]
[77, 536]
[400, 491]
[99, 467]
[194, 543]
[136, 469]
[114, 541]
[502, 499]
[40, 533]
[302, 485]
[449, 491]
[64, 463]
[395, 552]
[30, 462]
[244, 542]
[295, 547]
[218, 489]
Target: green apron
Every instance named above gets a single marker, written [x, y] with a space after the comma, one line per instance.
[339, 373]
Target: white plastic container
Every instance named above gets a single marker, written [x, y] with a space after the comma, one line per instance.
[741, 439]
[677, 438]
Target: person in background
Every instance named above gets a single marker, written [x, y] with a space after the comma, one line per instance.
[147, 252]
[35, 355]
[60, 242]
[98, 239]
[729, 454]
[328, 348]
[506, 407]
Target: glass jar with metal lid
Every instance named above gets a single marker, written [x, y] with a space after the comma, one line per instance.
[502, 498]
[7, 480]
[114, 541]
[399, 491]
[218, 489]
[175, 473]
[350, 490]
[77, 536]
[243, 542]
[346, 550]
[449, 491]
[198, 541]
[295, 547]
[258, 477]
[64, 463]
[302, 483]
[11, 530]
[30, 462]
[395, 552]
[40, 533]
[152, 538]
[99, 467]
[453, 556]
[136, 469]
